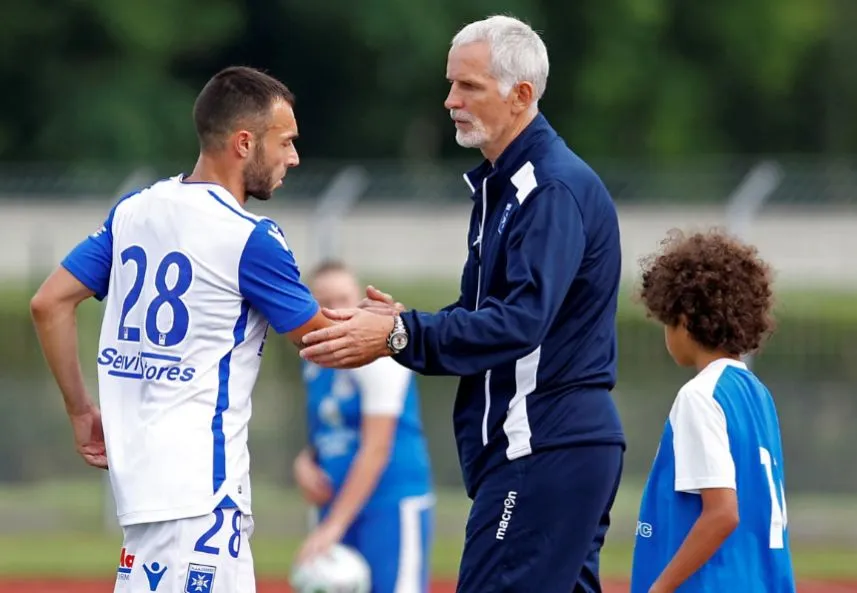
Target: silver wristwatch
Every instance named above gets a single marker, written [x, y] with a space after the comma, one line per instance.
[398, 338]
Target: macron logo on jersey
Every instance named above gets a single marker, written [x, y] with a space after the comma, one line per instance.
[644, 529]
[145, 366]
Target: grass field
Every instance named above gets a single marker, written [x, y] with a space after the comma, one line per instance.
[92, 556]
[56, 530]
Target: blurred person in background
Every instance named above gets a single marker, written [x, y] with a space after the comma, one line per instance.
[366, 467]
[532, 335]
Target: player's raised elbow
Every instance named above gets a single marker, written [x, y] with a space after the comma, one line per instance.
[60, 294]
[46, 303]
[41, 306]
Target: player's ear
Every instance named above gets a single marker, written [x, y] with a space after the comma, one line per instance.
[243, 143]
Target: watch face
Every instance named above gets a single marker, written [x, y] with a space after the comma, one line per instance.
[399, 341]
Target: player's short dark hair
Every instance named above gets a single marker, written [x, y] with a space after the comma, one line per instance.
[237, 95]
[326, 266]
[719, 285]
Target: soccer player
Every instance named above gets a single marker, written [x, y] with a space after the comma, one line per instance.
[367, 464]
[713, 513]
[191, 281]
[532, 335]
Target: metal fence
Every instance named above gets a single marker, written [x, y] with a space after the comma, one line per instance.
[803, 180]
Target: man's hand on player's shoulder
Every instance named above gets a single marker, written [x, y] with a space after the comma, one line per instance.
[360, 338]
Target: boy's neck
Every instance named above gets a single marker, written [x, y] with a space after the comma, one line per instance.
[706, 357]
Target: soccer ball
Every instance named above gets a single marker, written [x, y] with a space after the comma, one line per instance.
[341, 570]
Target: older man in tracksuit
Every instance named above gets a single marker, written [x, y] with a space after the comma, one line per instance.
[533, 339]
[532, 335]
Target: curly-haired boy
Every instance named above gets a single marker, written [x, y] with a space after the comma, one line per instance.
[713, 513]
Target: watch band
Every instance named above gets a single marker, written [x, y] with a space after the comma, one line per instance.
[397, 340]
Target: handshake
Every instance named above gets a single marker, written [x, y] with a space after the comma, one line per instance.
[358, 336]
[379, 302]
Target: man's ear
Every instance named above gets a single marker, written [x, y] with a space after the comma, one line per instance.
[242, 143]
[523, 94]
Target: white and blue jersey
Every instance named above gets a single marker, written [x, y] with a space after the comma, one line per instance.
[399, 514]
[190, 282]
[722, 432]
[337, 400]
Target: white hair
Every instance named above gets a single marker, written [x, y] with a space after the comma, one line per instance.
[517, 52]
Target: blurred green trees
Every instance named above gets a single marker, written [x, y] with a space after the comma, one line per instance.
[95, 80]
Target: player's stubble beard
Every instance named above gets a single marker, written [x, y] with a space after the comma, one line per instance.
[257, 176]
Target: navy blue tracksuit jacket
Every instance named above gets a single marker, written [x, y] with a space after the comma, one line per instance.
[532, 335]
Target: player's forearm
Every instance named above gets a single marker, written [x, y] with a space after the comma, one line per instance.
[362, 478]
[56, 328]
[317, 321]
[704, 539]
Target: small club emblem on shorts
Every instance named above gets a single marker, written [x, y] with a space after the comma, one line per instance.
[200, 578]
[154, 574]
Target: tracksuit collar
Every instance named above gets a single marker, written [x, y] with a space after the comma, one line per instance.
[516, 154]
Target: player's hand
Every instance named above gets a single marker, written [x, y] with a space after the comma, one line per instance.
[312, 481]
[319, 541]
[358, 340]
[657, 587]
[380, 302]
[89, 437]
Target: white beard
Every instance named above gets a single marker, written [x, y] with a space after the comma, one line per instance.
[474, 138]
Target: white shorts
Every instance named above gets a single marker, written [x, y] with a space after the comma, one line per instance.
[208, 554]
